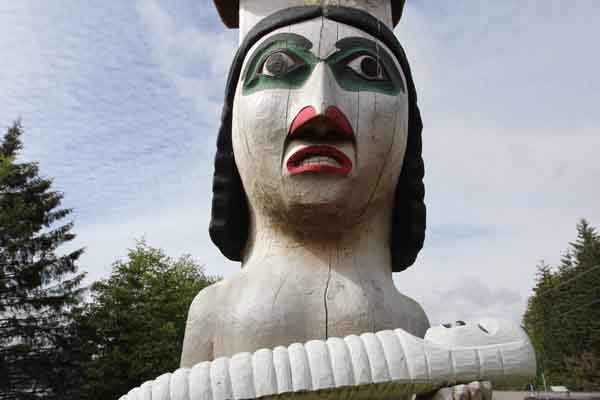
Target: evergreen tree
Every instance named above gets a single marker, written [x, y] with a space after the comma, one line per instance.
[563, 315]
[132, 330]
[37, 285]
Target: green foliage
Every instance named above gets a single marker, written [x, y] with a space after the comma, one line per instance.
[563, 315]
[51, 345]
[37, 285]
[133, 329]
[584, 368]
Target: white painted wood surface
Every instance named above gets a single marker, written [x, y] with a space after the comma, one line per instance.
[318, 261]
[252, 11]
[379, 365]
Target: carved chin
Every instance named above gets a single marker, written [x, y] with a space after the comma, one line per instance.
[307, 217]
[310, 202]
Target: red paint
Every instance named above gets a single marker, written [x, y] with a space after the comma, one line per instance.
[305, 115]
[294, 167]
[333, 113]
[340, 120]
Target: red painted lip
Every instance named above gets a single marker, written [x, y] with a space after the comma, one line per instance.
[333, 113]
[294, 162]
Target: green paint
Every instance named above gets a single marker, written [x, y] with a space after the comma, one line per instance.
[390, 81]
[297, 48]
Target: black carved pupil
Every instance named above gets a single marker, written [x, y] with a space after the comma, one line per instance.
[369, 67]
[276, 64]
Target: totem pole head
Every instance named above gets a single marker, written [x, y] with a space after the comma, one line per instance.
[320, 127]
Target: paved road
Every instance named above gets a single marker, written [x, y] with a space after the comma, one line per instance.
[501, 395]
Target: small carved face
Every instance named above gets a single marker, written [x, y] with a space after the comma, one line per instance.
[320, 124]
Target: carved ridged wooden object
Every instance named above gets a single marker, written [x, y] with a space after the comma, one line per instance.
[374, 365]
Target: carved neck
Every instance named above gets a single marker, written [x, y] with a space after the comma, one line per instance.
[366, 245]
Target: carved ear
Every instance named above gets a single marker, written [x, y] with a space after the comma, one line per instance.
[229, 11]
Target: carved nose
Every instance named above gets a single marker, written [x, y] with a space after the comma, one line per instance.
[322, 88]
[340, 120]
[332, 115]
[321, 96]
[305, 115]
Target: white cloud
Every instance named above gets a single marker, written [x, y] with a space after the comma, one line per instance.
[472, 290]
[104, 116]
[178, 231]
[196, 60]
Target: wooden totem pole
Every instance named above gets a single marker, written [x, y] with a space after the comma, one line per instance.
[318, 191]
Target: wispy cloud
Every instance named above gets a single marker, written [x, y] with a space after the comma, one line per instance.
[105, 114]
[475, 292]
[194, 57]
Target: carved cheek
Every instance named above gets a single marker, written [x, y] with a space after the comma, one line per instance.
[397, 111]
[375, 125]
[259, 120]
[381, 140]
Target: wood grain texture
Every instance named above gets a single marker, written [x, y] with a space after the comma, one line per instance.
[318, 260]
[252, 11]
[228, 10]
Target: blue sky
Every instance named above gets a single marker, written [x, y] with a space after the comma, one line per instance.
[120, 102]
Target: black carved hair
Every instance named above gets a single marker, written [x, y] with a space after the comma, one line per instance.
[230, 220]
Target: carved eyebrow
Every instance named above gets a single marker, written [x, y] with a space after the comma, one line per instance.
[354, 41]
[298, 40]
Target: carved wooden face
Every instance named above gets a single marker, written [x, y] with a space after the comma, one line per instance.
[320, 124]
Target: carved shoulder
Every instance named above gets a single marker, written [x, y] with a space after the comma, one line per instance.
[200, 326]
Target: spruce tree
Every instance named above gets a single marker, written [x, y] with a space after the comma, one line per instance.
[38, 285]
[563, 315]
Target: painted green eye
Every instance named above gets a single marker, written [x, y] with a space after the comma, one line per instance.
[367, 67]
[361, 64]
[282, 61]
[279, 64]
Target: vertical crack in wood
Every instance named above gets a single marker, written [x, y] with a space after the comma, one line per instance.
[325, 299]
[321, 37]
[387, 156]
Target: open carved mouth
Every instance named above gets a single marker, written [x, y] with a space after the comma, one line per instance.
[318, 142]
[324, 158]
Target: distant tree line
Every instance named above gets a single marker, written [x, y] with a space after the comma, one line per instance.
[563, 316]
[53, 343]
